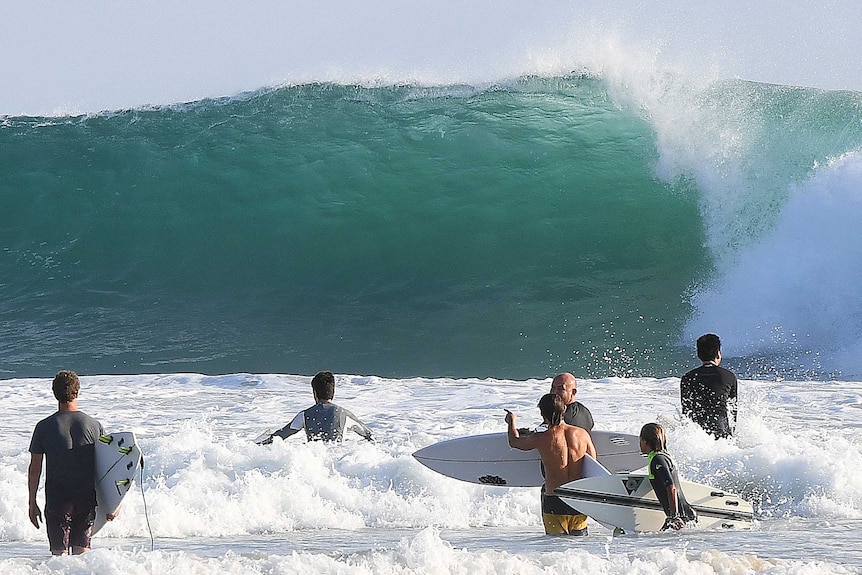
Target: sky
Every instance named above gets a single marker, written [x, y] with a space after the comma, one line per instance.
[76, 57]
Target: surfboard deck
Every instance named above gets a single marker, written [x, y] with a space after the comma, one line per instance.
[487, 459]
[627, 501]
[118, 459]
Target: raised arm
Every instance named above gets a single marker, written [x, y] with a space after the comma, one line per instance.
[516, 440]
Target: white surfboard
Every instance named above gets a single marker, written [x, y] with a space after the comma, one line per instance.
[118, 459]
[628, 501]
[488, 459]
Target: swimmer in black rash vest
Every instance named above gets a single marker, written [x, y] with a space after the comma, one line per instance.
[323, 421]
[708, 392]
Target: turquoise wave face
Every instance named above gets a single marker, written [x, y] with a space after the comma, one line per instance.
[510, 232]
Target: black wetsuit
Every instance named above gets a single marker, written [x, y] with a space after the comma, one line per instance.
[663, 474]
[578, 415]
[705, 393]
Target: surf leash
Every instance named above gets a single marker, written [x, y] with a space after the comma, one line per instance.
[146, 512]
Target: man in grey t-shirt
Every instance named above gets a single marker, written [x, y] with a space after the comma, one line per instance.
[66, 440]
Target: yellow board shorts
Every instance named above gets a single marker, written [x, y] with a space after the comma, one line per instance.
[564, 524]
[561, 519]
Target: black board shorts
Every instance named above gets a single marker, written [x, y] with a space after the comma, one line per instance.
[69, 522]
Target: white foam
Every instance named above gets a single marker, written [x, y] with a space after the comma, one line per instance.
[370, 506]
[797, 287]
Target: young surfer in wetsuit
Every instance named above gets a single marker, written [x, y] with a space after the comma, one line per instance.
[664, 478]
[562, 448]
[324, 420]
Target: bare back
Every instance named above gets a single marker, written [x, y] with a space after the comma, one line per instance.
[562, 448]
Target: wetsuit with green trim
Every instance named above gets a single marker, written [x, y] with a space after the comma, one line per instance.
[663, 474]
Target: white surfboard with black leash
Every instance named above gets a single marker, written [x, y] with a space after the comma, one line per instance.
[118, 459]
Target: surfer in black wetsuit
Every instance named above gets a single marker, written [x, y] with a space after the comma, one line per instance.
[664, 478]
[323, 421]
[708, 393]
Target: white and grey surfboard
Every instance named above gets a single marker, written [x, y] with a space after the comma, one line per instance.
[118, 459]
[488, 459]
[628, 501]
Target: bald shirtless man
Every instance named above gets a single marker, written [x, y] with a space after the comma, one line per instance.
[562, 448]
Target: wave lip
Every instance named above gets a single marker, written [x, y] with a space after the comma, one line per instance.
[125, 56]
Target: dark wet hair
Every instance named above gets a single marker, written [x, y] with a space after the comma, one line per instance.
[323, 385]
[653, 435]
[552, 407]
[708, 346]
[66, 386]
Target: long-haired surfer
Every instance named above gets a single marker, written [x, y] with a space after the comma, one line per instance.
[562, 448]
[664, 478]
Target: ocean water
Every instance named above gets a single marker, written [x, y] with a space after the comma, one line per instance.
[200, 206]
[211, 501]
[510, 231]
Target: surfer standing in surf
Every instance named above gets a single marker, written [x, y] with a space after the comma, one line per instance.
[66, 440]
[562, 448]
[324, 420]
[708, 393]
[565, 386]
[664, 478]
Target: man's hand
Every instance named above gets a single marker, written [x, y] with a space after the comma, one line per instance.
[35, 514]
[675, 522]
[510, 417]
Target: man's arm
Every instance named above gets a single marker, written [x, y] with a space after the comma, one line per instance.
[591, 448]
[685, 399]
[524, 443]
[295, 426]
[358, 426]
[733, 402]
[34, 472]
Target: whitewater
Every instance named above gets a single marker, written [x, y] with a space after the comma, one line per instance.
[446, 204]
[210, 500]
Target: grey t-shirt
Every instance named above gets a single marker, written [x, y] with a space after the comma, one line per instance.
[67, 440]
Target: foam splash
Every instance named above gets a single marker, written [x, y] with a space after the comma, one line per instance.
[796, 290]
[423, 553]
